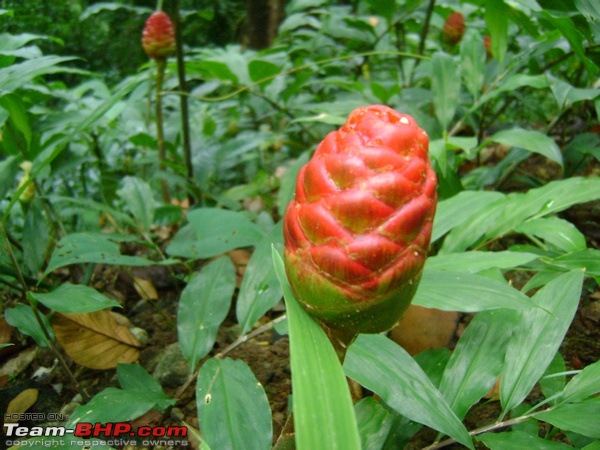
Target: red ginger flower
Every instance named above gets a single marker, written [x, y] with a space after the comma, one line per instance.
[454, 28]
[358, 230]
[158, 37]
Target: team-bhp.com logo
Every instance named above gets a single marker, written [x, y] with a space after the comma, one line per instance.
[112, 433]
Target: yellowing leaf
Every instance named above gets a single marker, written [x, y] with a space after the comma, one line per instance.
[145, 288]
[96, 340]
[22, 402]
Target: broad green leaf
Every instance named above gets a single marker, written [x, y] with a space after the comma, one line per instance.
[433, 362]
[203, 306]
[17, 75]
[445, 84]
[138, 198]
[134, 377]
[374, 423]
[260, 289]
[502, 216]
[112, 6]
[80, 248]
[588, 259]
[74, 298]
[469, 203]
[585, 384]
[458, 291]
[37, 234]
[217, 231]
[288, 182]
[472, 59]
[8, 170]
[496, 18]
[475, 261]
[518, 440]
[477, 359]
[550, 383]
[560, 234]
[538, 337]
[385, 368]
[260, 69]
[566, 94]
[582, 417]
[113, 405]
[233, 409]
[23, 318]
[323, 412]
[514, 82]
[18, 118]
[530, 140]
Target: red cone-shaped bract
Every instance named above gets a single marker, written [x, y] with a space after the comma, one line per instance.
[454, 28]
[158, 37]
[358, 230]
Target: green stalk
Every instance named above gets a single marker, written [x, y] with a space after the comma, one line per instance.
[161, 64]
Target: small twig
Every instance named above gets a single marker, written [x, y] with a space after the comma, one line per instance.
[481, 430]
[38, 316]
[244, 338]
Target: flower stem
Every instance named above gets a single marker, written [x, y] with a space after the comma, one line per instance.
[160, 138]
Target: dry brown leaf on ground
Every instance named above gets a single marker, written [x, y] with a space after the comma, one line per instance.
[5, 331]
[145, 288]
[240, 259]
[22, 402]
[96, 340]
[19, 363]
[422, 329]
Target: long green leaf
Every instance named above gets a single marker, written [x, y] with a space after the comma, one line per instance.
[530, 140]
[23, 318]
[203, 306]
[260, 289]
[469, 203]
[584, 384]
[385, 368]
[582, 417]
[74, 298]
[445, 84]
[374, 423]
[137, 195]
[556, 232]
[474, 261]
[323, 413]
[217, 231]
[17, 75]
[457, 291]
[477, 359]
[496, 18]
[538, 337]
[518, 440]
[233, 410]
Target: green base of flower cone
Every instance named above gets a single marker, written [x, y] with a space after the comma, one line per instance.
[334, 307]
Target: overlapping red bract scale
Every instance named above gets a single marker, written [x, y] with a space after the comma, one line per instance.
[359, 227]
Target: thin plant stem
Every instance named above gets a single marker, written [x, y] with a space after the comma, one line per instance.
[160, 138]
[423, 35]
[183, 99]
[38, 316]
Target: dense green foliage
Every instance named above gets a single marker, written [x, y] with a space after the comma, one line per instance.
[514, 139]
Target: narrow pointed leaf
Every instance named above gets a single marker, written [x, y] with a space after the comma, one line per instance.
[584, 384]
[530, 140]
[477, 359]
[260, 289]
[457, 291]
[582, 417]
[323, 411]
[538, 337]
[518, 440]
[233, 410]
[74, 298]
[445, 84]
[203, 306]
[385, 368]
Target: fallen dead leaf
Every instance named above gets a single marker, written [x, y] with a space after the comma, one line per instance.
[422, 329]
[239, 258]
[145, 288]
[5, 331]
[22, 402]
[96, 340]
[16, 365]
[494, 391]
